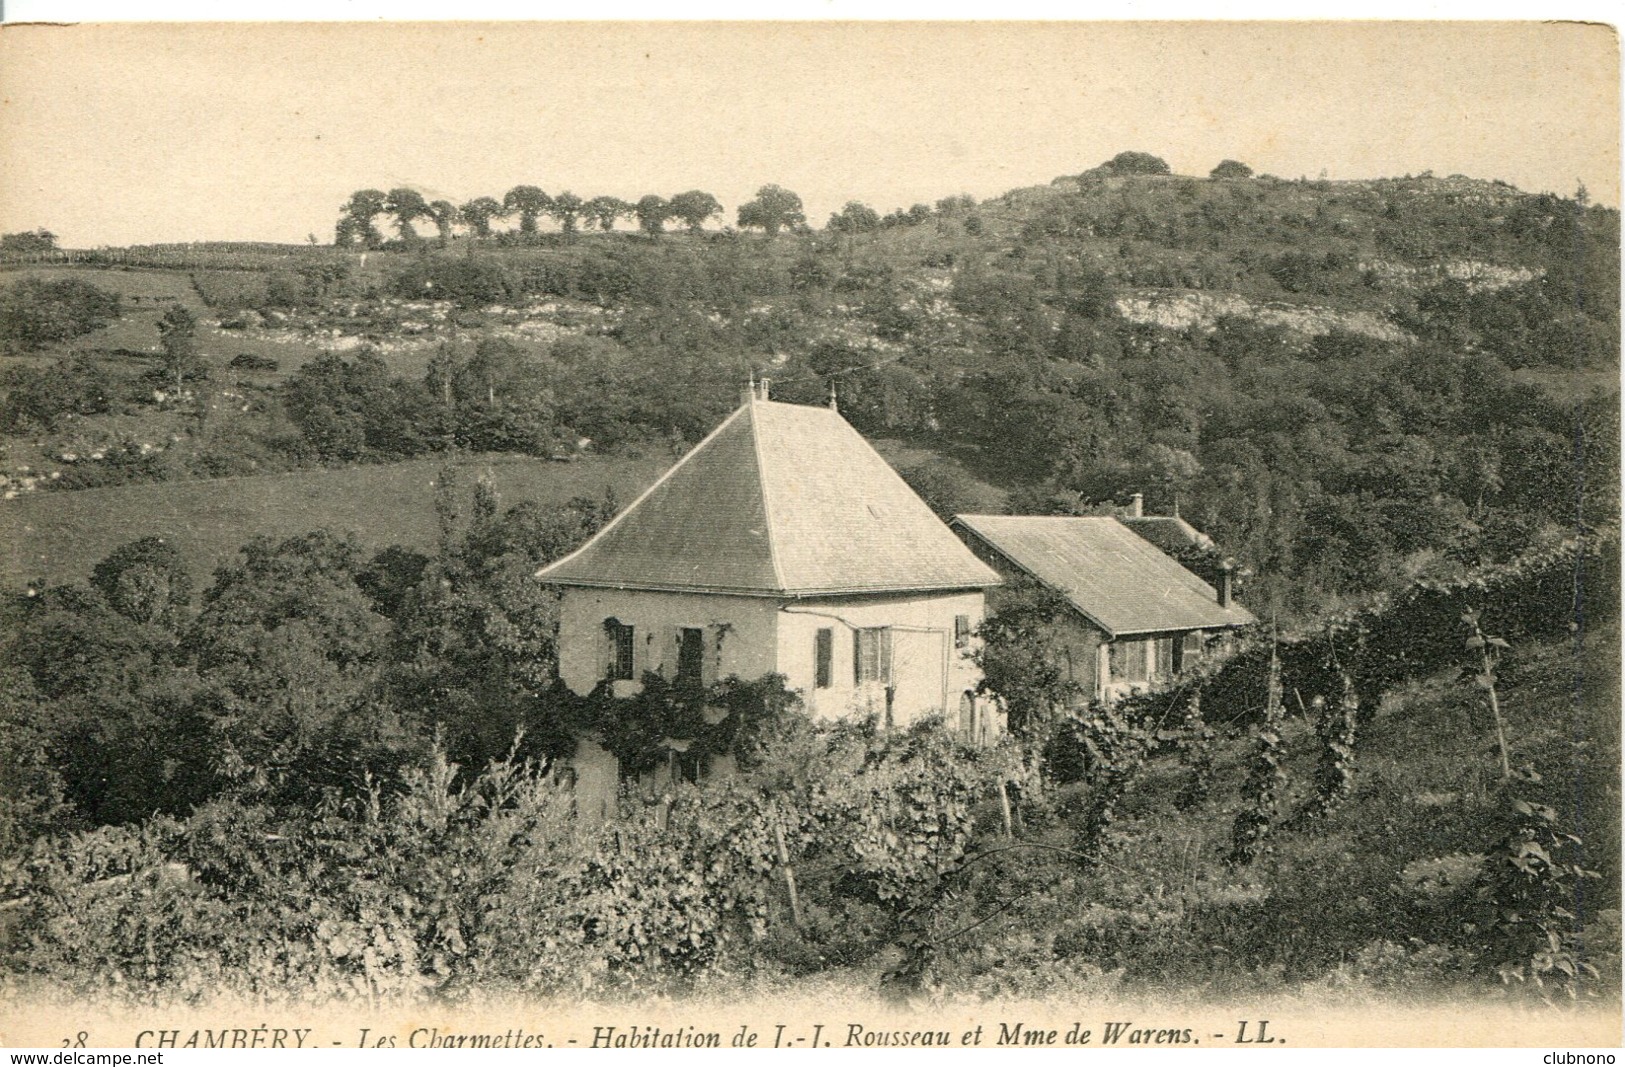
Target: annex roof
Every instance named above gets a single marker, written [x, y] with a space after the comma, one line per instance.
[779, 500]
[1117, 579]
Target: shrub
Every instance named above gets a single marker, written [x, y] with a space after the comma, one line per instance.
[469, 281]
[35, 312]
[40, 399]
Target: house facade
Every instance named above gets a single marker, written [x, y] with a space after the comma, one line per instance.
[1138, 618]
[782, 543]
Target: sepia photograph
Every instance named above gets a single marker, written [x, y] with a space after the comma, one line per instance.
[810, 534]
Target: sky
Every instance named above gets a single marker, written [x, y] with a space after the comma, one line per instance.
[114, 134]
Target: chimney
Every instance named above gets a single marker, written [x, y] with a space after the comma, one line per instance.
[1226, 570]
[1136, 505]
[762, 391]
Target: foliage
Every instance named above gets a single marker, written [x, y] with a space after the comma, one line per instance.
[40, 240]
[468, 281]
[1527, 930]
[604, 210]
[145, 581]
[35, 312]
[1017, 656]
[177, 333]
[349, 409]
[529, 203]
[854, 218]
[496, 399]
[1335, 728]
[1230, 168]
[1134, 163]
[1262, 792]
[43, 398]
[406, 205]
[773, 209]
[693, 208]
[652, 212]
[357, 220]
[566, 207]
[477, 214]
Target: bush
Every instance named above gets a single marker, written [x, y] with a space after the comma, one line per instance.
[1230, 168]
[250, 362]
[471, 282]
[40, 399]
[35, 312]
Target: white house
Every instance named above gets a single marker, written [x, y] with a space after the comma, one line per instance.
[783, 543]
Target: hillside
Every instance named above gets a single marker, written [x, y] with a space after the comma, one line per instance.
[1346, 383]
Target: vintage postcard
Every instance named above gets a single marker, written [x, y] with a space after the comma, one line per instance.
[1006, 535]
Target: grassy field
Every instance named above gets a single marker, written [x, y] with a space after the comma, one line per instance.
[137, 328]
[56, 537]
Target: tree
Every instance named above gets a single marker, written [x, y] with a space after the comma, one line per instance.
[854, 218]
[40, 240]
[349, 409]
[604, 210]
[145, 581]
[1230, 168]
[652, 212]
[529, 203]
[774, 208]
[36, 312]
[1020, 658]
[292, 645]
[566, 208]
[694, 208]
[177, 333]
[406, 204]
[40, 397]
[478, 213]
[1135, 163]
[444, 213]
[358, 221]
[321, 276]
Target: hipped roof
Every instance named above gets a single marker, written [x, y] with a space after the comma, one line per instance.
[1117, 579]
[780, 500]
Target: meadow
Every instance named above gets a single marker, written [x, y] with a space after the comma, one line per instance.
[56, 537]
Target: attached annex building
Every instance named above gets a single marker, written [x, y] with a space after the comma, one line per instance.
[1139, 618]
[782, 543]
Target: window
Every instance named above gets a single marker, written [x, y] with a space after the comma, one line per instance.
[871, 654]
[690, 656]
[824, 659]
[1165, 657]
[961, 631]
[620, 650]
[1128, 661]
[1189, 652]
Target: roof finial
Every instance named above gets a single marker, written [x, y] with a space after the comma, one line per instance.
[833, 405]
[750, 388]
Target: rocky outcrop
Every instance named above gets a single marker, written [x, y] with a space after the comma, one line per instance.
[1181, 310]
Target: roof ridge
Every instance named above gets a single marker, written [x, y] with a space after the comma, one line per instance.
[604, 530]
[767, 497]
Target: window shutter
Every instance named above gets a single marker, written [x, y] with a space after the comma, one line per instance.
[857, 657]
[884, 671]
[823, 658]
